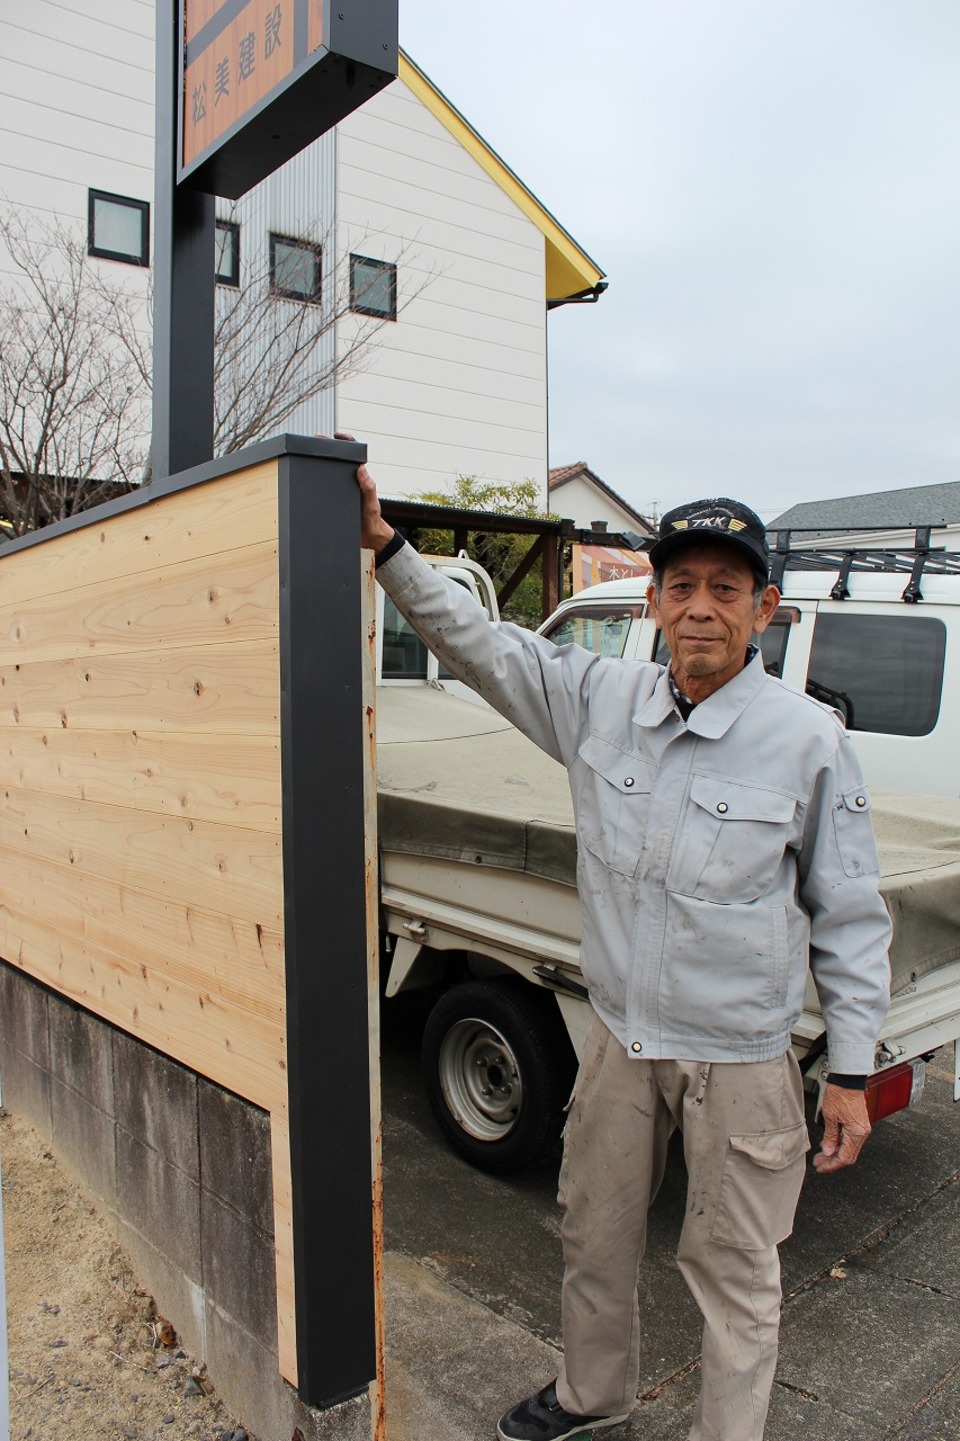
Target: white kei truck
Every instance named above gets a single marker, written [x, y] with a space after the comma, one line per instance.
[478, 901]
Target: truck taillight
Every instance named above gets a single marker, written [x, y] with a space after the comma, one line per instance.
[895, 1089]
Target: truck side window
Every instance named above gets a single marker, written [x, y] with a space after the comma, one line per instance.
[404, 653]
[883, 673]
[603, 631]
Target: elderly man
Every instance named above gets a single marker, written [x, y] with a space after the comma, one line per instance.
[725, 847]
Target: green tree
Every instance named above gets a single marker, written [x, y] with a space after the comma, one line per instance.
[499, 554]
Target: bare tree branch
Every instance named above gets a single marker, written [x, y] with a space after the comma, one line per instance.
[72, 425]
[76, 365]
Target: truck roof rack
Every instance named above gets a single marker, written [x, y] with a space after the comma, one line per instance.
[843, 555]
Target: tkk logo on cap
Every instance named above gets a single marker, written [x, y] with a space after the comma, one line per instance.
[725, 519]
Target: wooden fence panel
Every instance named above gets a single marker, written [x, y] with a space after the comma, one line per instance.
[140, 845]
[177, 853]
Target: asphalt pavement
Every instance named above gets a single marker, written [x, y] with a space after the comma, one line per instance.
[870, 1340]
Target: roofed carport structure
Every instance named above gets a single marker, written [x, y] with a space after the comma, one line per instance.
[550, 538]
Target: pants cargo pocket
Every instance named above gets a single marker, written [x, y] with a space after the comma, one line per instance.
[760, 1187]
[588, 1071]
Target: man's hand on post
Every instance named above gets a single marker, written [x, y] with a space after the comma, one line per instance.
[375, 533]
[846, 1127]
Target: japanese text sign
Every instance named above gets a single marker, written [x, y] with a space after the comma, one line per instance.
[263, 78]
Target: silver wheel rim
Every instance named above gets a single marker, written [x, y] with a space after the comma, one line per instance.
[480, 1079]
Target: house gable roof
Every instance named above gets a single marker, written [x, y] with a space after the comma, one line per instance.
[569, 269]
[880, 510]
[562, 474]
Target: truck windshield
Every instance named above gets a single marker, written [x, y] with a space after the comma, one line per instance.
[601, 629]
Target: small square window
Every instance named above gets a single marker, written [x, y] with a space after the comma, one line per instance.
[118, 228]
[373, 287]
[227, 252]
[295, 268]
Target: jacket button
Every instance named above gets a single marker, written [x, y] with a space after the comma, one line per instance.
[628, 781]
[861, 800]
[722, 807]
[636, 1048]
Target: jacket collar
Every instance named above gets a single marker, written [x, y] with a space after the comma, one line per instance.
[714, 716]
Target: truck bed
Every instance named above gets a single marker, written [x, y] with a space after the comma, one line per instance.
[461, 790]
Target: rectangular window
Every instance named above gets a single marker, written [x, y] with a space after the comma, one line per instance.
[603, 630]
[118, 228]
[227, 252]
[373, 287]
[295, 268]
[883, 673]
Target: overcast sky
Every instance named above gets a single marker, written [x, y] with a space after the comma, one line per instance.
[773, 190]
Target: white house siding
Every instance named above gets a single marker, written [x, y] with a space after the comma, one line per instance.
[582, 502]
[458, 384]
[76, 106]
[298, 200]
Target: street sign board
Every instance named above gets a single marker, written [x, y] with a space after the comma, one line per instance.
[261, 79]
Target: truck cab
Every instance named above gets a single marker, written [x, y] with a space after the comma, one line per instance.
[862, 642]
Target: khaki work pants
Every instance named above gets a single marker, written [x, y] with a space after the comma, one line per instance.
[744, 1139]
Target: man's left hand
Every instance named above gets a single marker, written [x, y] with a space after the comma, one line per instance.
[846, 1127]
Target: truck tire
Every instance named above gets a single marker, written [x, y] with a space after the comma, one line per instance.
[498, 1067]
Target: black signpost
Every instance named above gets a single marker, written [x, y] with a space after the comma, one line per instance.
[241, 86]
[183, 281]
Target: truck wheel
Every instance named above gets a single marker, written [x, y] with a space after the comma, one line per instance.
[498, 1066]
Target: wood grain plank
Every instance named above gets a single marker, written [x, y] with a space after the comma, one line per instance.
[227, 514]
[226, 869]
[208, 599]
[225, 689]
[240, 961]
[227, 779]
[283, 1243]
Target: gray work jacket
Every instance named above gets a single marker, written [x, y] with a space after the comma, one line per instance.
[718, 858]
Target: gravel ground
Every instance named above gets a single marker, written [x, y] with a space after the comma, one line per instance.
[90, 1359]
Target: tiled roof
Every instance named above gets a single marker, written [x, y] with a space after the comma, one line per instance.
[560, 474]
[882, 510]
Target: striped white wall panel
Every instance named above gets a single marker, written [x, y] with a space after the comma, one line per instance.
[68, 46]
[76, 103]
[485, 382]
[53, 142]
[429, 413]
[481, 357]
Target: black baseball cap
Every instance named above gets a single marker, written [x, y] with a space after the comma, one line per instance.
[720, 519]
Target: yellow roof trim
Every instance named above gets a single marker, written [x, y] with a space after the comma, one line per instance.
[569, 269]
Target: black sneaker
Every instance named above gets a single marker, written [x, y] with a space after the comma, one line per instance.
[542, 1418]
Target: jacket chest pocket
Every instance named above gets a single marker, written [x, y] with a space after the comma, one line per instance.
[612, 803]
[731, 840]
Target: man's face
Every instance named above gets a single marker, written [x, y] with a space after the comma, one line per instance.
[707, 614]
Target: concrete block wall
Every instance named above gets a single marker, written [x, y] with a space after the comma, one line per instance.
[183, 1169]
